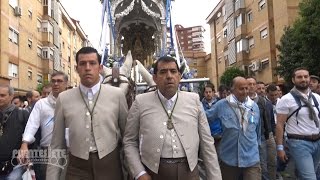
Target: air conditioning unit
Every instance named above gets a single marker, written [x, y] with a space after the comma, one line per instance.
[17, 11]
[255, 66]
[219, 14]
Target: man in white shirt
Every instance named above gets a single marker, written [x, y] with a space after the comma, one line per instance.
[298, 113]
[42, 116]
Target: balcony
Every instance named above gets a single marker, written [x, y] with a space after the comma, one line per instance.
[198, 39]
[239, 4]
[241, 30]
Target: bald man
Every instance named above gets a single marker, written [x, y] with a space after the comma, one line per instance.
[240, 121]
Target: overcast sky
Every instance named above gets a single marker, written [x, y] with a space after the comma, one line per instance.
[185, 12]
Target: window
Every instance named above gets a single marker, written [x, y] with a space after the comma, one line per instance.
[251, 43]
[30, 14]
[225, 32]
[46, 26]
[262, 4]
[69, 54]
[69, 36]
[264, 33]
[239, 46]
[226, 57]
[29, 74]
[238, 20]
[249, 16]
[39, 25]
[13, 36]
[45, 53]
[39, 79]
[45, 2]
[30, 43]
[12, 70]
[219, 59]
[39, 51]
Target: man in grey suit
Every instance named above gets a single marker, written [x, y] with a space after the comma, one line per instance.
[95, 115]
[166, 129]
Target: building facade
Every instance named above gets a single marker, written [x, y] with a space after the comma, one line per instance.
[244, 33]
[32, 34]
[190, 38]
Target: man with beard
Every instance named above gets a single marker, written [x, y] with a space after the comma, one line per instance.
[207, 102]
[298, 111]
[261, 89]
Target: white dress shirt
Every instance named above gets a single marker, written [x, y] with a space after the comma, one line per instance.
[42, 115]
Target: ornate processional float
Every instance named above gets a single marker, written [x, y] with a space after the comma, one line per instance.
[142, 31]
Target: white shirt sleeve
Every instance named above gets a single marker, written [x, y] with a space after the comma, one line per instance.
[282, 106]
[33, 124]
[140, 174]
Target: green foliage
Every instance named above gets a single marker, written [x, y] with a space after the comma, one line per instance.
[41, 85]
[229, 74]
[300, 44]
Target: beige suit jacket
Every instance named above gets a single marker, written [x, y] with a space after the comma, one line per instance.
[109, 118]
[146, 124]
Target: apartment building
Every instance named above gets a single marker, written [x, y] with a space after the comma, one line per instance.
[190, 38]
[244, 33]
[31, 38]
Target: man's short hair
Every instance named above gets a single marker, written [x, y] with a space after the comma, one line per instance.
[17, 97]
[10, 89]
[315, 77]
[87, 50]
[298, 69]
[260, 82]
[60, 73]
[209, 85]
[271, 87]
[223, 87]
[29, 94]
[165, 59]
[47, 86]
[250, 77]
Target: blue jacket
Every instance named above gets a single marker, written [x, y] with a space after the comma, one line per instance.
[237, 147]
[215, 126]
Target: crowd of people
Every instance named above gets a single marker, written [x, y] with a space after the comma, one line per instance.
[245, 131]
[256, 126]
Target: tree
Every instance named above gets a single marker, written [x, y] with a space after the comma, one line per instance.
[229, 74]
[300, 44]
